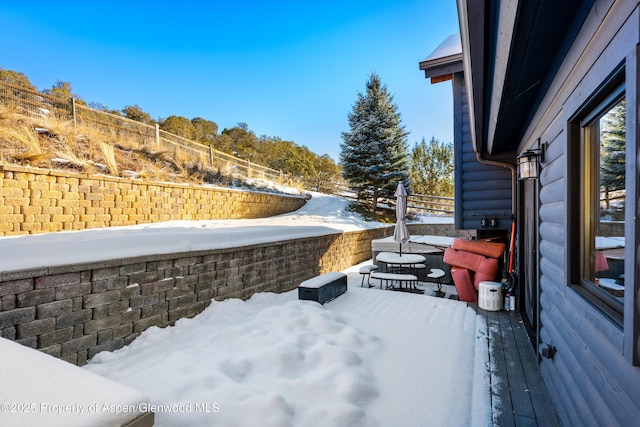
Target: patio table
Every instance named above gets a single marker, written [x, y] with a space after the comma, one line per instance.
[430, 246]
[396, 261]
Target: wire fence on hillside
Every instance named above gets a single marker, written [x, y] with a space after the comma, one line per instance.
[45, 106]
[37, 104]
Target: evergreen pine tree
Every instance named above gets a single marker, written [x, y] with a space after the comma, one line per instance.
[374, 152]
[612, 150]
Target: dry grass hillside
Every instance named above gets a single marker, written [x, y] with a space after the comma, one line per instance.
[53, 144]
[49, 143]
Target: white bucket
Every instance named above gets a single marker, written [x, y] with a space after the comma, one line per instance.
[490, 296]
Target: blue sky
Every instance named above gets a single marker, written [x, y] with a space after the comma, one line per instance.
[287, 68]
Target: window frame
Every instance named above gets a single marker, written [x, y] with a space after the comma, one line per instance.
[580, 130]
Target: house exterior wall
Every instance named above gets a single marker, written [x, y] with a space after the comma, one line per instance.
[591, 379]
[481, 191]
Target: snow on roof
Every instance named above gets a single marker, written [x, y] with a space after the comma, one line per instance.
[449, 47]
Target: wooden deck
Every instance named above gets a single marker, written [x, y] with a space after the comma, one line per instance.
[518, 394]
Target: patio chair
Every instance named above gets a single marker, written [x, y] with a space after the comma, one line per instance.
[437, 274]
[366, 271]
[472, 262]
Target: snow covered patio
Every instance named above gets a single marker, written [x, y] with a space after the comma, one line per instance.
[369, 357]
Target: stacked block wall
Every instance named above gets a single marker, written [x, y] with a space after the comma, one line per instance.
[75, 311]
[42, 201]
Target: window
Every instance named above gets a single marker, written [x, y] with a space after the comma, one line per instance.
[599, 205]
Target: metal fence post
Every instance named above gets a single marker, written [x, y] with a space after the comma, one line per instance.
[72, 101]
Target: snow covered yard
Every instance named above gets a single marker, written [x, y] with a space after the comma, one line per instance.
[367, 358]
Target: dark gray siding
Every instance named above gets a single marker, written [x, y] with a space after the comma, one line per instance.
[481, 191]
[591, 379]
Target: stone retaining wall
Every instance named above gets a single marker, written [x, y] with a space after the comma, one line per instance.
[447, 230]
[73, 312]
[41, 201]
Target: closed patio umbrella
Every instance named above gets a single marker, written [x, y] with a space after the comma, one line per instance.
[401, 233]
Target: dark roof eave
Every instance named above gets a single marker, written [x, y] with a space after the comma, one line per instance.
[506, 79]
[438, 62]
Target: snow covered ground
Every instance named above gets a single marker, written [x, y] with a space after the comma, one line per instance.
[367, 358]
[321, 215]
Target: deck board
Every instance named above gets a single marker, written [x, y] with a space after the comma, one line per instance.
[500, 397]
[518, 387]
[518, 394]
[542, 407]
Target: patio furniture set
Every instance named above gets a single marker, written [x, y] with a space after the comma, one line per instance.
[401, 269]
[469, 263]
[465, 263]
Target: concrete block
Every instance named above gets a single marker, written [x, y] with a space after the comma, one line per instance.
[177, 313]
[78, 344]
[53, 350]
[56, 337]
[180, 291]
[71, 291]
[105, 335]
[100, 312]
[130, 316]
[187, 280]
[94, 300]
[31, 298]
[74, 318]
[118, 307]
[16, 287]
[31, 342]
[35, 328]
[130, 291]
[185, 262]
[143, 301]
[57, 280]
[162, 285]
[9, 333]
[122, 330]
[196, 269]
[109, 284]
[8, 302]
[17, 316]
[143, 324]
[54, 309]
[161, 307]
[98, 325]
[127, 270]
[146, 277]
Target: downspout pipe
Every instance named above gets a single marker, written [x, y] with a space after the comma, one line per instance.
[514, 180]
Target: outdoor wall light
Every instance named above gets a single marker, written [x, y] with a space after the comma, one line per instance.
[529, 162]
